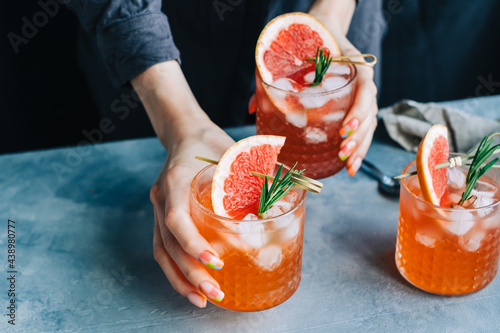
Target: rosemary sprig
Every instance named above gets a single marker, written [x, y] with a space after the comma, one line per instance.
[483, 152]
[323, 61]
[278, 189]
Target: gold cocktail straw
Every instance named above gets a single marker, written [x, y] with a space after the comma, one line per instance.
[364, 63]
[297, 182]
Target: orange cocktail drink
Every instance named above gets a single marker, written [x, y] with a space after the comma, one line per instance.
[262, 257]
[309, 117]
[303, 92]
[449, 251]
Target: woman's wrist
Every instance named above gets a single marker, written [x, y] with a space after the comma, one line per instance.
[336, 15]
[171, 106]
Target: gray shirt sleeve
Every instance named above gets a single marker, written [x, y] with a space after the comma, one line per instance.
[132, 35]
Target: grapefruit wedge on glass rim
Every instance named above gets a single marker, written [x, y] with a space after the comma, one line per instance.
[287, 42]
[235, 191]
[433, 149]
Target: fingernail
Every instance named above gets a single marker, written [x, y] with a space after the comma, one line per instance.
[209, 260]
[347, 150]
[212, 291]
[349, 128]
[354, 167]
[197, 300]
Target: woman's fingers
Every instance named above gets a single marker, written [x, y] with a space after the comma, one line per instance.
[178, 246]
[179, 222]
[172, 272]
[360, 123]
[363, 144]
[190, 271]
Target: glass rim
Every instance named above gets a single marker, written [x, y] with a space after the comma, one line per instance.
[354, 72]
[232, 220]
[437, 207]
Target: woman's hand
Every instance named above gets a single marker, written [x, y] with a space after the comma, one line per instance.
[185, 131]
[360, 123]
[178, 247]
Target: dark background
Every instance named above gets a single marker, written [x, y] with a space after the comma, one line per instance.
[434, 50]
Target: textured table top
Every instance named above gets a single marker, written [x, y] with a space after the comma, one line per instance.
[84, 252]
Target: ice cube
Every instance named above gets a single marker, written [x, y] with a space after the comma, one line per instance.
[250, 217]
[483, 186]
[288, 226]
[459, 221]
[425, 240]
[285, 85]
[291, 197]
[269, 257]
[491, 222]
[334, 117]
[293, 227]
[338, 69]
[485, 194]
[309, 77]
[278, 96]
[274, 211]
[456, 178]
[314, 97]
[484, 198]
[251, 234]
[454, 197]
[284, 205]
[314, 135]
[333, 82]
[472, 241]
[297, 118]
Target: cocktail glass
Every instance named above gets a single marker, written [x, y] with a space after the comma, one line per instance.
[450, 251]
[262, 258]
[309, 117]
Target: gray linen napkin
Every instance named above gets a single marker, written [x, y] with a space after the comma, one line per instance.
[408, 121]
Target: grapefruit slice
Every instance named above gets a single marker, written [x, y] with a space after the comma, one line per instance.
[235, 191]
[433, 149]
[287, 41]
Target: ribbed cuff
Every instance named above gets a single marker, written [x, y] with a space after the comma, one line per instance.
[132, 46]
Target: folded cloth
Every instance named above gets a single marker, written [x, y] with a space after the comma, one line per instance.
[408, 121]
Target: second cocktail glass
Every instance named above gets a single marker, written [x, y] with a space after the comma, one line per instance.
[309, 117]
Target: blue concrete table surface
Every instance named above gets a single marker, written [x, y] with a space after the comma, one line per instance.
[84, 259]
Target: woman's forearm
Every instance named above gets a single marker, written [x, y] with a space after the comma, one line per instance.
[169, 102]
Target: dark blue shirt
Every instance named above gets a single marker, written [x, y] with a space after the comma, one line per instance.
[213, 40]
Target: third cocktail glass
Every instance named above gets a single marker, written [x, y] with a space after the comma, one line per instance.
[449, 251]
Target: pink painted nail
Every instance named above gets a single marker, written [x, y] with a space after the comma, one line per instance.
[212, 291]
[210, 260]
[347, 150]
[350, 127]
[197, 300]
[354, 167]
